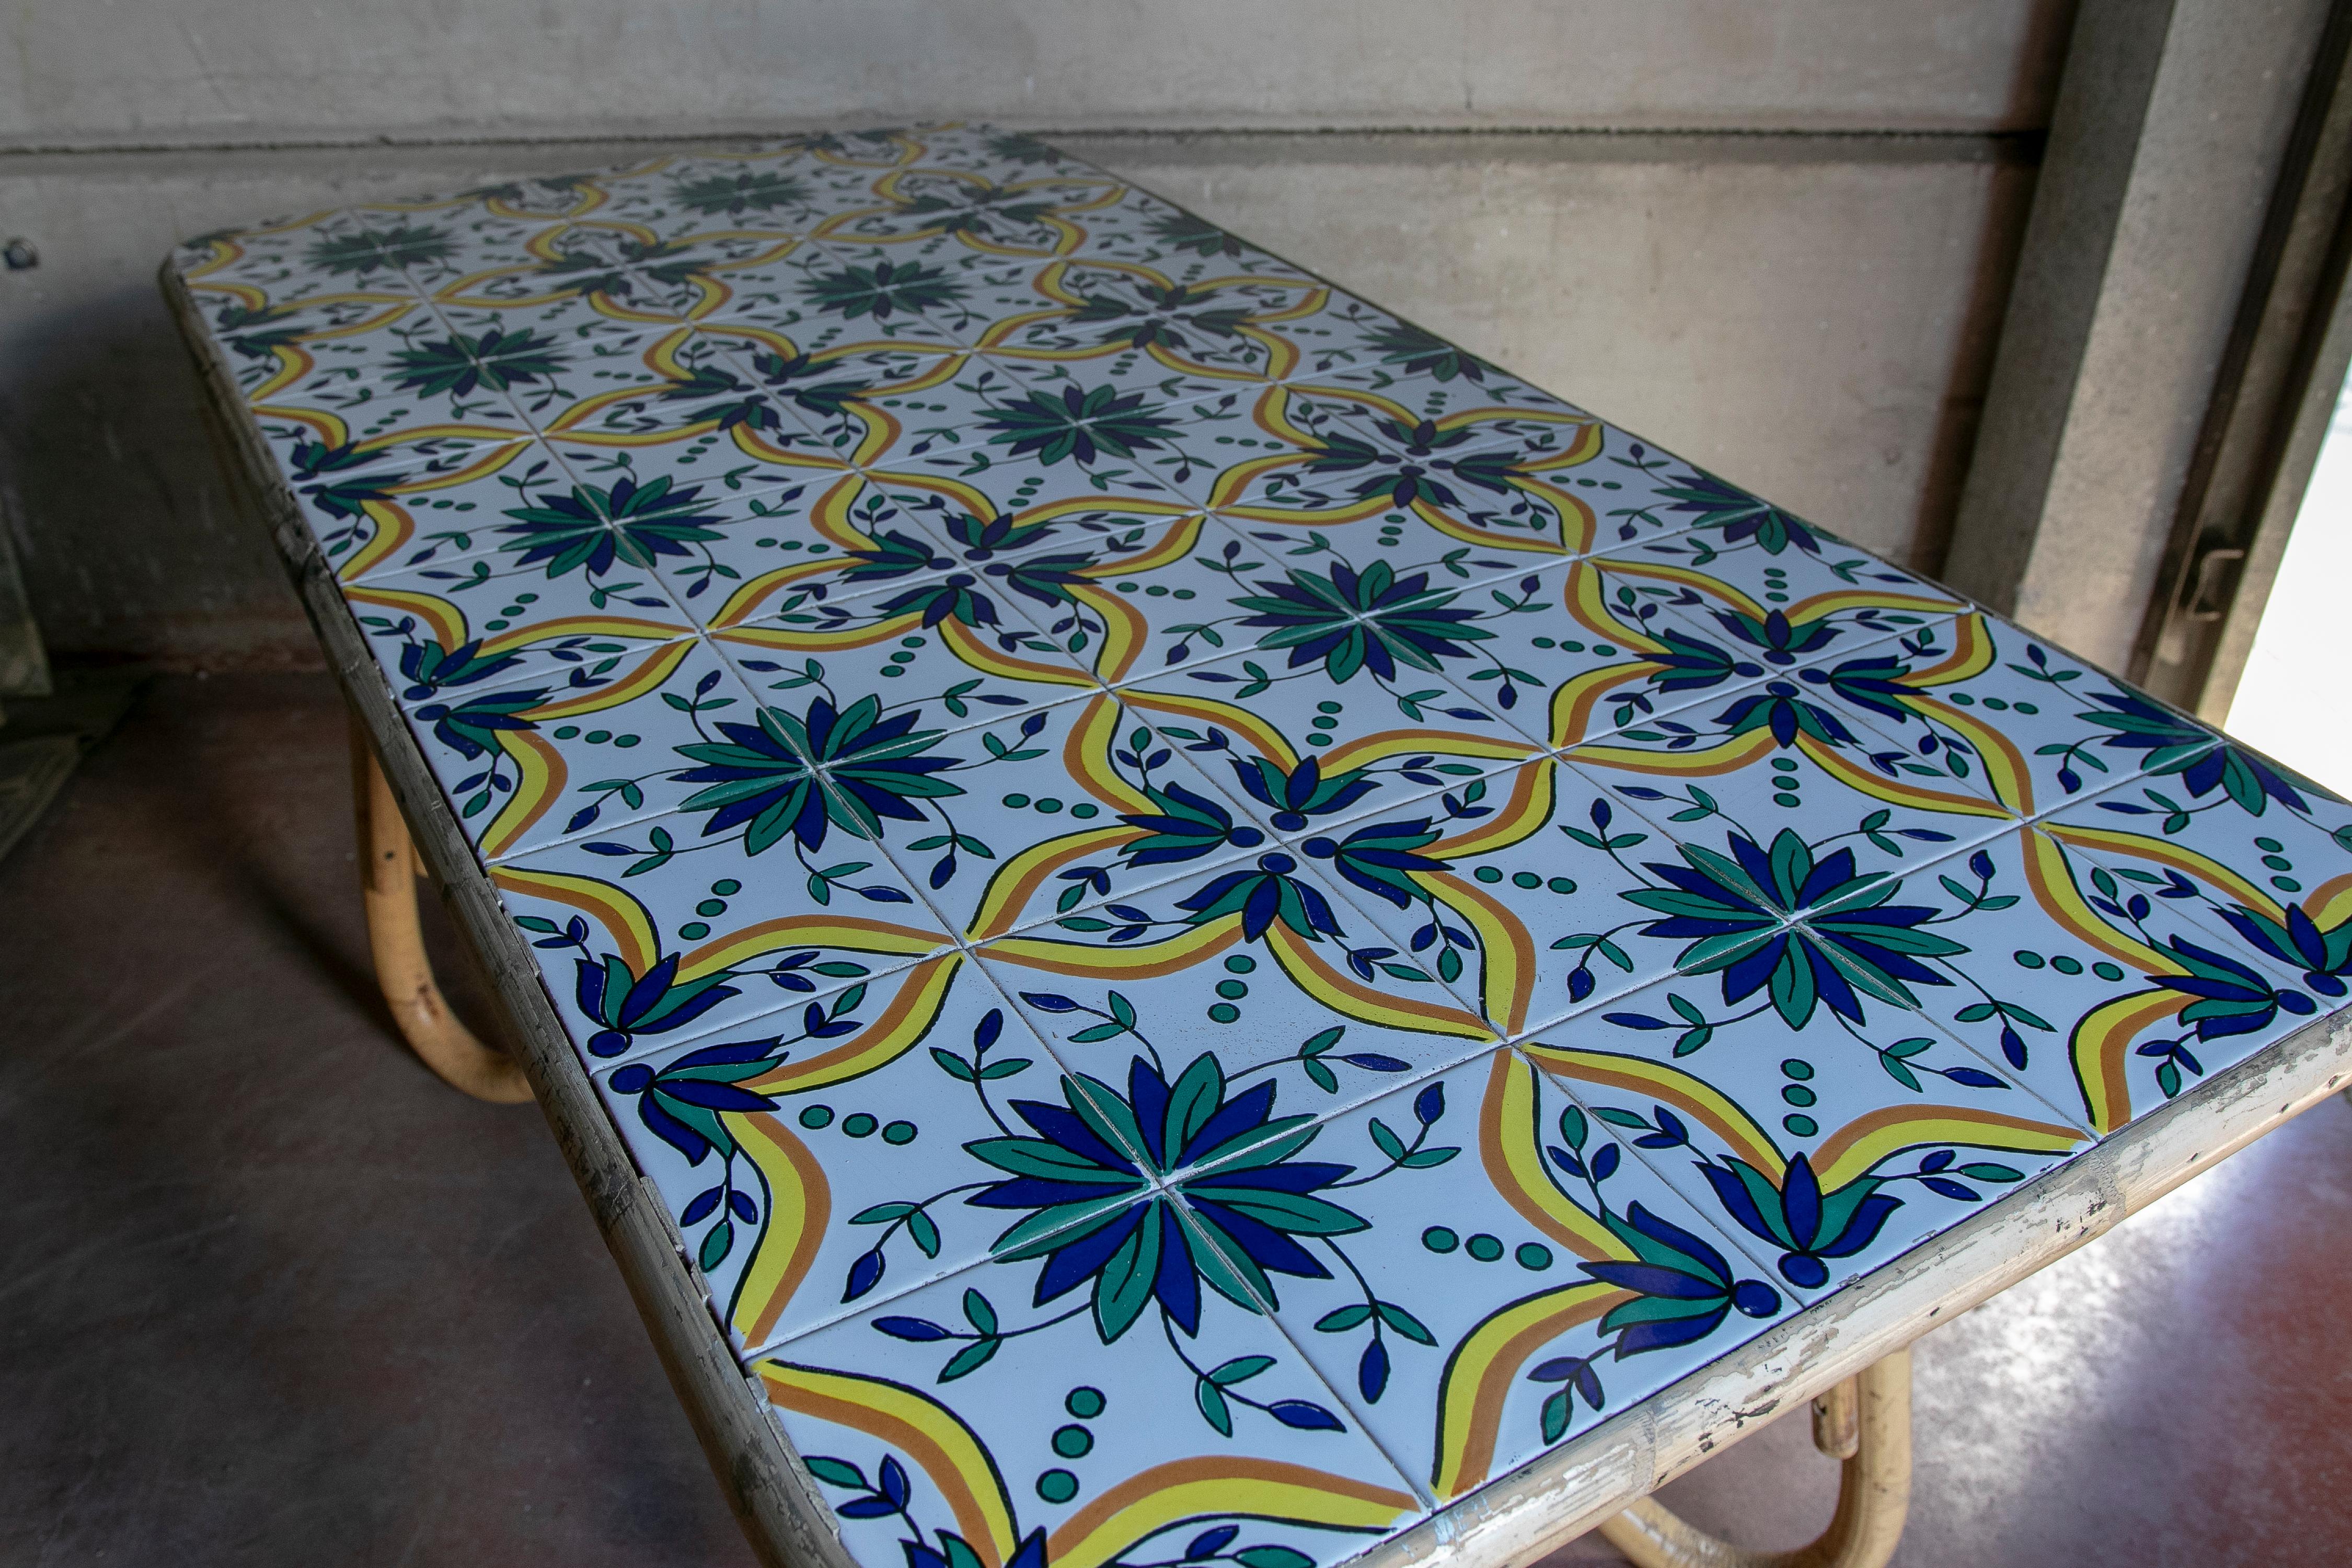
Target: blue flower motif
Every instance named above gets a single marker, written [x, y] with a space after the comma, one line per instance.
[1805, 1223]
[1101, 1217]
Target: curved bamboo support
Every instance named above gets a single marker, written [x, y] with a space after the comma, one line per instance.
[1873, 1489]
[389, 869]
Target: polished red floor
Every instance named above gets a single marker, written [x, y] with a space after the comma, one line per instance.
[269, 1294]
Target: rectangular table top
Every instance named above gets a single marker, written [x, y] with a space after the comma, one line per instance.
[1216, 922]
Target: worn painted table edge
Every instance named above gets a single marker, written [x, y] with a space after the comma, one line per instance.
[1508, 1523]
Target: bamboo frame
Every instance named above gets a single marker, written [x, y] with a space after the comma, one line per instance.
[1866, 1422]
[390, 869]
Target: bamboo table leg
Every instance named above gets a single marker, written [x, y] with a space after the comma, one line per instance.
[389, 870]
[1867, 1422]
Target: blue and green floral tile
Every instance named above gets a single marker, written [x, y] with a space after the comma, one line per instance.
[396, 504]
[1833, 809]
[275, 347]
[1141, 229]
[691, 275]
[707, 470]
[1147, 594]
[2108, 985]
[1333, 472]
[1978, 701]
[1134, 327]
[1008, 157]
[2263, 898]
[761, 194]
[473, 625]
[1380, 561]
[1572, 650]
[1125, 1070]
[797, 566]
[2201, 790]
[516, 512]
[1296, 751]
[1530, 896]
[527, 765]
[319, 258]
[1480, 1271]
[681, 938]
[1257, 958]
[1827, 1127]
[993, 447]
[1144, 1412]
[543, 354]
[749, 553]
[820, 307]
[660, 398]
[485, 257]
[878, 609]
[993, 820]
[951, 215]
[1407, 377]
[859, 395]
[825, 1158]
[1744, 556]
[1010, 712]
[389, 368]
[1069, 568]
[920, 290]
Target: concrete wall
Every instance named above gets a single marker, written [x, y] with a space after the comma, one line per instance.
[1810, 311]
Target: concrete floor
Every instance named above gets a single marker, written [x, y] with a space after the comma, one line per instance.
[273, 1296]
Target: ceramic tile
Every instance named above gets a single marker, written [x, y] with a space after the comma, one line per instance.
[2088, 971]
[788, 191]
[533, 259]
[395, 500]
[515, 758]
[623, 532]
[1142, 228]
[1083, 1422]
[602, 390]
[1759, 766]
[2232, 930]
[1492, 1251]
[838, 567]
[1291, 747]
[1410, 374]
[1254, 956]
[1828, 1128]
[1530, 894]
[1003, 828]
[1087, 797]
[820, 303]
[1741, 555]
[311, 256]
[863, 396]
[843, 1175]
[1976, 700]
[1315, 459]
[1133, 326]
[985, 436]
[391, 367]
[462, 628]
[644, 949]
[275, 348]
[1016, 211]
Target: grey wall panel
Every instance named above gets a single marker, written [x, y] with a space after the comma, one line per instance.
[163, 71]
[2162, 164]
[1807, 315]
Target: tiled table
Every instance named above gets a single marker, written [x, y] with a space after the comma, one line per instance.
[1170, 920]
